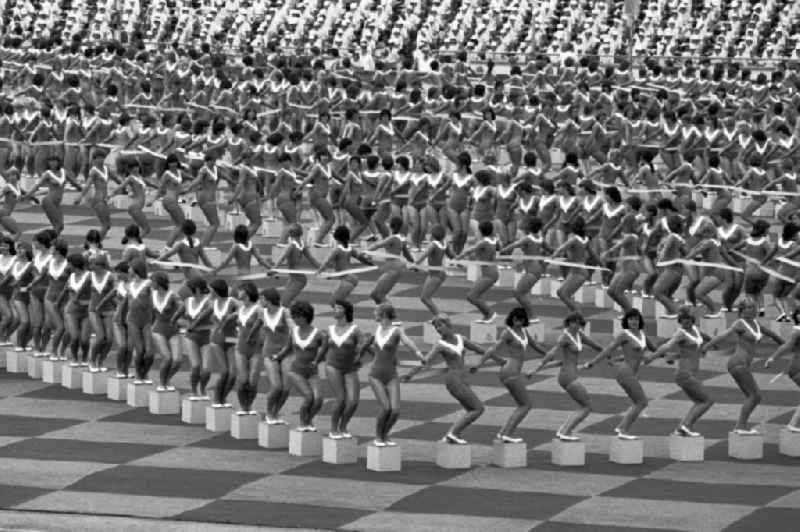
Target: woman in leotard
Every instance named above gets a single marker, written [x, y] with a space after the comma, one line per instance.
[9, 196]
[293, 255]
[396, 247]
[576, 251]
[319, 177]
[342, 362]
[339, 258]
[139, 320]
[249, 320]
[484, 251]
[383, 374]
[222, 340]
[57, 273]
[627, 258]
[116, 300]
[749, 334]
[688, 341]
[97, 185]
[205, 187]
[76, 310]
[633, 342]
[8, 257]
[136, 186]
[532, 245]
[55, 177]
[166, 337]
[198, 310]
[452, 347]
[22, 274]
[242, 253]
[434, 256]
[457, 212]
[671, 247]
[513, 345]
[790, 345]
[757, 249]
[190, 250]
[42, 254]
[308, 345]
[570, 346]
[277, 329]
[730, 234]
[168, 192]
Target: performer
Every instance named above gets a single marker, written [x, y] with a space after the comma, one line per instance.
[632, 341]
[790, 345]
[570, 345]
[42, 254]
[249, 319]
[97, 185]
[396, 247]
[166, 336]
[76, 309]
[139, 320]
[452, 347]
[576, 251]
[513, 343]
[9, 196]
[749, 333]
[688, 340]
[436, 275]
[242, 253]
[222, 340]
[383, 374]
[484, 252]
[532, 245]
[198, 312]
[340, 259]
[293, 255]
[345, 343]
[276, 335]
[22, 274]
[308, 346]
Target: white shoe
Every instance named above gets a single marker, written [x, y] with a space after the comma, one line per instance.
[683, 430]
[390, 443]
[346, 435]
[311, 428]
[379, 443]
[567, 437]
[135, 381]
[452, 438]
[508, 439]
[335, 435]
[746, 432]
[161, 388]
[121, 376]
[793, 428]
[171, 388]
[242, 413]
[623, 436]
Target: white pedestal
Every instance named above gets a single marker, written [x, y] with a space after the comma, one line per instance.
[509, 455]
[273, 436]
[71, 377]
[567, 453]
[766, 211]
[344, 451]
[789, 443]
[453, 455]
[554, 285]
[713, 326]
[647, 306]
[542, 287]
[138, 394]
[16, 361]
[429, 334]
[665, 327]
[232, 219]
[586, 294]
[271, 228]
[244, 426]
[121, 202]
[506, 278]
[537, 330]
[483, 333]
[473, 272]
[626, 451]
[3, 361]
[307, 444]
[35, 366]
[383, 459]
[194, 411]
[746, 446]
[117, 388]
[51, 371]
[687, 448]
[162, 403]
[218, 419]
[602, 300]
[95, 383]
